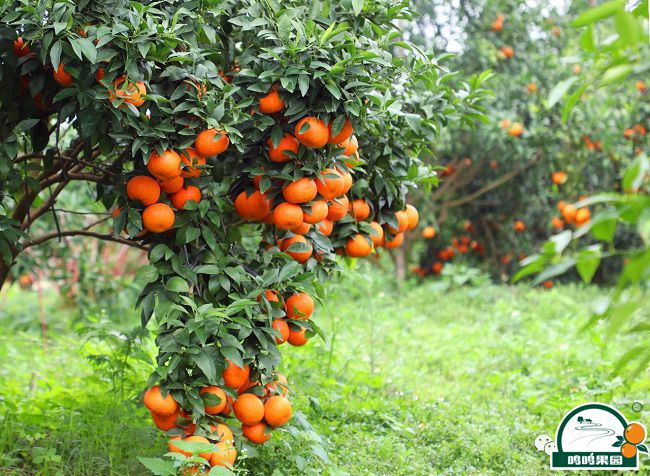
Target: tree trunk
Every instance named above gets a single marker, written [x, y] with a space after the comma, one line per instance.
[399, 257]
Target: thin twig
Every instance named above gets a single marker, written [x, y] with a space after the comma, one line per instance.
[92, 234]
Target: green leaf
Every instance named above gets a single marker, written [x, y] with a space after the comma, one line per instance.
[357, 6]
[616, 73]
[55, 55]
[587, 262]
[88, 49]
[232, 354]
[205, 361]
[635, 174]
[158, 466]
[146, 274]
[598, 13]
[178, 285]
[560, 90]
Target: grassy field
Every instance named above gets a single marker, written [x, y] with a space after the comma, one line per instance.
[417, 380]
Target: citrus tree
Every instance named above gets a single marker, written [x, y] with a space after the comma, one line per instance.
[237, 144]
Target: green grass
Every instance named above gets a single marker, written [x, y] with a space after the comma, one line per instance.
[419, 381]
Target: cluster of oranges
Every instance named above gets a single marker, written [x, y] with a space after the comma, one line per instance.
[515, 129]
[236, 395]
[317, 203]
[592, 145]
[635, 435]
[497, 25]
[635, 133]
[169, 173]
[571, 215]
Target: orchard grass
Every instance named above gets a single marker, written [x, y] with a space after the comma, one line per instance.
[415, 380]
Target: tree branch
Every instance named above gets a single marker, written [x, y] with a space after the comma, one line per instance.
[92, 234]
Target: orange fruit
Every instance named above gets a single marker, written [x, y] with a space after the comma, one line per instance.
[279, 386]
[377, 237]
[343, 134]
[156, 403]
[185, 194]
[234, 376]
[195, 87]
[223, 432]
[569, 213]
[99, 74]
[583, 215]
[299, 306]
[62, 77]
[158, 217]
[301, 229]
[504, 123]
[170, 186]
[350, 146]
[225, 455]
[300, 256]
[557, 223]
[282, 327]
[256, 433]
[287, 216]
[208, 144]
[358, 246]
[519, 226]
[330, 184]
[559, 178]
[413, 216]
[213, 390]
[20, 48]
[277, 411]
[297, 338]
[315, 212]
[548, 284]
[532, 88]
[640, 85]
[288, 143]
[132, 94]
[165, 423]
[302, 190]
[191, 159]
[143, 189]
[429, 232]
[338, 208]
[516, 129]
[437, 267]
[628, 450]
[347, 180]
[270, 295]
[197, 439]
[249, 409]
[635, 433]
[359, 209]
[396, 241]
[166, 166]
[311, 132]
[252, 207]
[402, 223]
[272, 102]
[326, 227]
[507, 51]
[171, 446]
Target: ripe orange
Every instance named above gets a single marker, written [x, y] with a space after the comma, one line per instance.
[185, 194]
[249, 409]
[271, 296]
[532, 88]
[171, 446]
[277, 411]
[155, 402]
[252, 207]
[158, 217]
[225, 455]
[301, 229]
[287, 216]
[350, 146]
[272, 102]
[347, 180]
[358, 246]
[197, 439]
[326, 227]
[437, 267]
[99, 74]
[164, 423]
[282, 327]
[132, 94]
[548, 284]
[170, 186]
[628, 450]
[297, 338]
[208, 144]
[288, 143]
[402, 223]
[255, 433]
[396, 241]
[378, 237]
[223, 432]
[143, 189]
[507, 51]
[504, 123]
[279, 386]
[569, 213]
[496, 26]
[300, 256]
[330, 184]
[516, 129]
[583, 215]
[314, 132]
[166, 166]
[315, 212]
[191, 159]
[577, 69]
[359, 209]
[20, 48]
[217, 408]
[413, 216]
[338, 208]
[344, 133]
[557, 223]
[302, 190]
[640, 85]
[559, 178]
[299, 306]
[234, 376]
[62, 77]
[519, 226]
[635, 433]
[429, 232]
